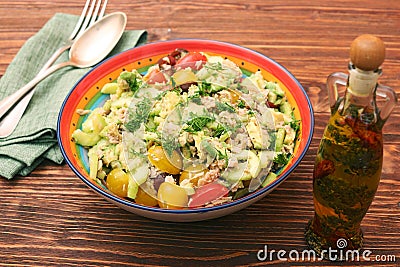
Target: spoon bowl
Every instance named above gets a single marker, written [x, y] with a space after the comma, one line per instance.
[86, 52]
[89, 49]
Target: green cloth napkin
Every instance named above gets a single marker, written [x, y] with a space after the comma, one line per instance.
[35, 139]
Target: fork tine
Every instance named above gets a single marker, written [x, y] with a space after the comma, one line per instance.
[80, 20]
[87, 19]
[94, 15]
[103, 10]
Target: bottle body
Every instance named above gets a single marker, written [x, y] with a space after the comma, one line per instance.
[346, 176]
[348, 164]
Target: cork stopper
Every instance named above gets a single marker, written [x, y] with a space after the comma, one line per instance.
[367, 52]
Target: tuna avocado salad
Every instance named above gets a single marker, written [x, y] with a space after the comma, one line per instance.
[193, 131]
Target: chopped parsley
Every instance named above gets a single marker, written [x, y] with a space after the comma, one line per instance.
[177, 90]
[133, 82]
[139, 115]
[295, 124]
[215, 67]
[223, 156]
[220, 130]
[195, 99]
[205, 88]
[223, 106]
[241, 104]
[169, 144]
[151, 126]
[197, 123]
[160, 95]
[281, 159]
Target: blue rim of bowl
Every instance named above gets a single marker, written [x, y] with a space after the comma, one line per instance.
[196, 210]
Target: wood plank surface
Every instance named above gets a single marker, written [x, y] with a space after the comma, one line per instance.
[50, 218]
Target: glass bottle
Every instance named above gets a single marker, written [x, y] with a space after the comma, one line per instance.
[349, 160]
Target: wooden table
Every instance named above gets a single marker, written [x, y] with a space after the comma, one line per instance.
[51, 218]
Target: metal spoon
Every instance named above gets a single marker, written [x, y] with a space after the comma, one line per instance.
[89, 49]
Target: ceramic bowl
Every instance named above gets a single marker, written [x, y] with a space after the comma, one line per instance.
[86, 95]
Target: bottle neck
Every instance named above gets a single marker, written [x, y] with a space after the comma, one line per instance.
[359, 100]
[362, 83]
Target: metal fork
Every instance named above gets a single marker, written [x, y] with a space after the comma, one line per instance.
[90, 14]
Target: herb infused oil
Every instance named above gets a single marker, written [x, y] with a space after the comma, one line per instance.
[349, 160]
